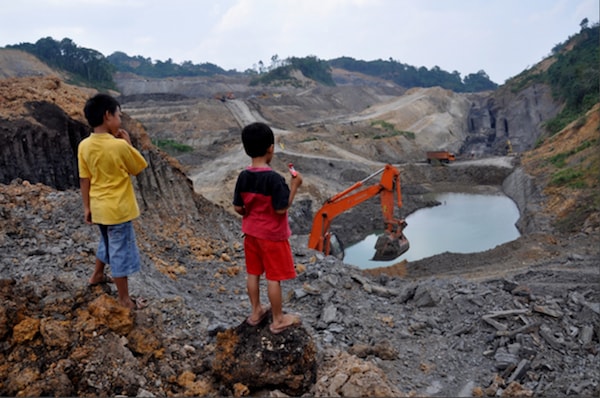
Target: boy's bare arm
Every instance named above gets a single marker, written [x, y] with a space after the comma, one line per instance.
[84, 185]
[294, 184]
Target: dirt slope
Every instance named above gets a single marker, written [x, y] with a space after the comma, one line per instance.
[578, 145]
[16, 63]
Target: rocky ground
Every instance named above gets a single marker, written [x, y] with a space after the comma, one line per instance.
[522, 319]
[433, 336]
[527, 327]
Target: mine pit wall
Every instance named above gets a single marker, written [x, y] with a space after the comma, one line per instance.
[504, 115]
[520, 187]
[41, 148]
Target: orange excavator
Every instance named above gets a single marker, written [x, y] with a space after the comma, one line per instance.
[392, 243]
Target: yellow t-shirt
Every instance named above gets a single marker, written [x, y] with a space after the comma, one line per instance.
[109, 162]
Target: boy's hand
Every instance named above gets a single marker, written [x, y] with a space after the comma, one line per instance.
[296, 176]
[297, 180]
[88, 216]
[123, 134]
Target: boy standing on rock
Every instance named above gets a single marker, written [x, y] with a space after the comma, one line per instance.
[262, 197]
[106, 161]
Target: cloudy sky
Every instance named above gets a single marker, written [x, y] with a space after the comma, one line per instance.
[501, 37]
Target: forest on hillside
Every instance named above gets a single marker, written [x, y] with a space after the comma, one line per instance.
[573, 75]
[90, 67]
[410, 76]
[86, 66]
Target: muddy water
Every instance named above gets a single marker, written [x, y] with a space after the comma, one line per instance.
[463, 223]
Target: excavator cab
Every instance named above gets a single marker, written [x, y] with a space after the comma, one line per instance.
[391, 244]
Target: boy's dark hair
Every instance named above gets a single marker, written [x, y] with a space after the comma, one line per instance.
[97, 106]
[257, 138]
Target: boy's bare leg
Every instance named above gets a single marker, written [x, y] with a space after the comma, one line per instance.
[98, 275]
[253, 287]
[280, 319]
[123, 291]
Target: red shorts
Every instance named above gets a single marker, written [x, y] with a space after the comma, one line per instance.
[274, 258]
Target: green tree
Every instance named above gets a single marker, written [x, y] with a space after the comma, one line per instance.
[573, 77]
[479, 81]
[409, 76]
[85, 65]
[146, 67]
[311, 67]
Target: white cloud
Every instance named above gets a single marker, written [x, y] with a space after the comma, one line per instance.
[501, 37]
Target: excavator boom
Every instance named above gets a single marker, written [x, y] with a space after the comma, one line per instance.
[393, 239]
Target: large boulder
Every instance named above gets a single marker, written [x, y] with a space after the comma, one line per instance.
[254, 357]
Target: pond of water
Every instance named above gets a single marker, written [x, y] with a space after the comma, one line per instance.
[463, 223]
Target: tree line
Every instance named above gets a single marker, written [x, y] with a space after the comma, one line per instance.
[158, 69]
[85, 66]
[410, 76]
[280, 72]
[573, 77]
[89, 67]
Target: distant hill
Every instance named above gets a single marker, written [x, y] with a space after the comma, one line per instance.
[409, 76]
[91, 68]
[283, 72]
[146, 67]
[572, 74]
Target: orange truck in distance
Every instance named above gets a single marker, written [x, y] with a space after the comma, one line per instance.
[442, 156]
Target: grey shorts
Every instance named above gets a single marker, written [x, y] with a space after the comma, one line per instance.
[119, 249]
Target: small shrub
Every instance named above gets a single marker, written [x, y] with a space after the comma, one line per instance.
[560, 160]
[408, 134]
[568, 177]
[172, 146]
[390, 130]
[384, 125]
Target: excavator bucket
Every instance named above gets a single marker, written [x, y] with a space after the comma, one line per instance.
[390, 246]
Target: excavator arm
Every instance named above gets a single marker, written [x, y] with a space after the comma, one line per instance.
[389, 185]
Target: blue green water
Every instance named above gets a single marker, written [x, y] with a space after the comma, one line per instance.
[463, 223]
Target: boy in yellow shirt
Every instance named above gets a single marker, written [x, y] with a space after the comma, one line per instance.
[106, 161]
